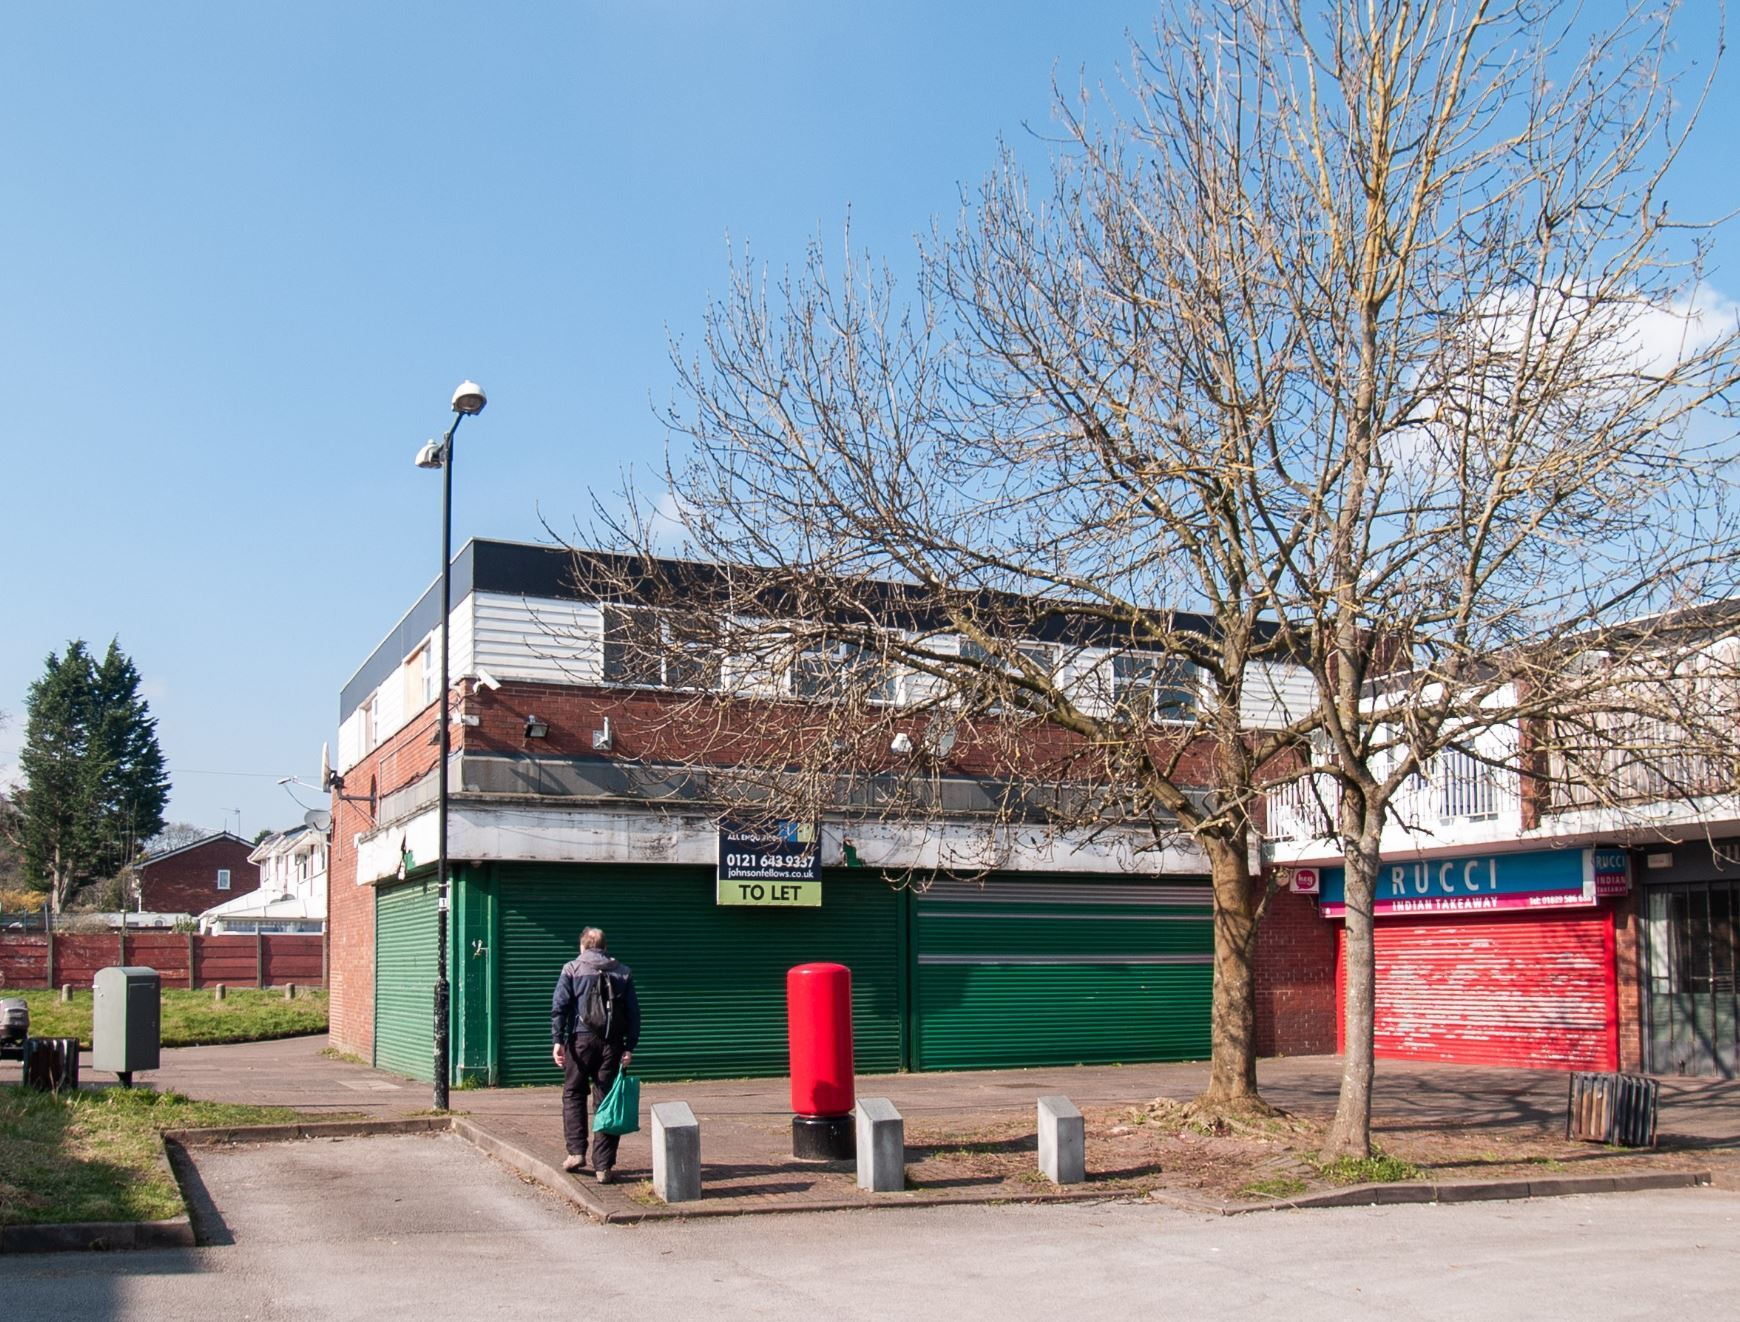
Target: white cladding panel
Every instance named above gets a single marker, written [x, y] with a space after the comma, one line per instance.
[1276, 694]
[535, 638]
[350, 749]
[399, 697]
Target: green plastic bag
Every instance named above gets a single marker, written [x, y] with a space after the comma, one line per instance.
[619, 1112]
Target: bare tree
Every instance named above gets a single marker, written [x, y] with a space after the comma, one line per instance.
[1497, 422]
[1358, 342]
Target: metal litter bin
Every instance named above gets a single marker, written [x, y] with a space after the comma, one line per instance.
[126, 1021]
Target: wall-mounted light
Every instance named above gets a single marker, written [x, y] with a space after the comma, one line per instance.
[536, 729]
[901, 743]
[602, 739]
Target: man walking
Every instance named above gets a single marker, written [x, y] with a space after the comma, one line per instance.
[595, 1025]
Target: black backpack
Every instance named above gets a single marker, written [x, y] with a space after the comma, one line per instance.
[598, 1005]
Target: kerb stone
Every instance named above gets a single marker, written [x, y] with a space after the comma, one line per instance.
[881, 1146]
[1062, 1141]
[676, 1152]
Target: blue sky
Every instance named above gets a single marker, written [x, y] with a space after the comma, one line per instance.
[250, 249]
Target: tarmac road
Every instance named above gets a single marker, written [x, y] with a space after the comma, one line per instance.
[428, 1228]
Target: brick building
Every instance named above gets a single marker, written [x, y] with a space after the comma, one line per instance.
[575, 800]
[194, 877]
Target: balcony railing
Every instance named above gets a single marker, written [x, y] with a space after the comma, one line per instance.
[1649, 761]
[1456, 789]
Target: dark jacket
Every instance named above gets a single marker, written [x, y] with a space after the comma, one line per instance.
[577, 978]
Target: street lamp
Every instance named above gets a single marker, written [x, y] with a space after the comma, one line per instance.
[468, 399]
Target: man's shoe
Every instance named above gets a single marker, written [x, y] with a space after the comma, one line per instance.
[572, 1164]
[606, 1177]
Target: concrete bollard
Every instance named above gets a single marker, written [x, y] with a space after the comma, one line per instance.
[1062, 1141]
[881, 1146]
[289, 991]
[217, 992]
[676, 1152]
[65, 992]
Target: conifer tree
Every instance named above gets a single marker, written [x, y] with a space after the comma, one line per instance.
[94, 781]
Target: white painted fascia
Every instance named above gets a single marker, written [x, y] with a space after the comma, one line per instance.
[525, 833]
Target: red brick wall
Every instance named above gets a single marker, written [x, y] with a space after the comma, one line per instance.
[350, 908]
[1628, 953]
[186, 882]
[658, 727]
[1295, 979]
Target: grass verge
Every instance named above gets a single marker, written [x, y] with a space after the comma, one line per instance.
[191, 1018]
[96, 1155]
[1375, 1169]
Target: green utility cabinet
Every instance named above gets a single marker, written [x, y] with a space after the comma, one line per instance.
[126, 1020]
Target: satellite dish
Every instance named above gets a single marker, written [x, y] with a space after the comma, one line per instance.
[318, 819]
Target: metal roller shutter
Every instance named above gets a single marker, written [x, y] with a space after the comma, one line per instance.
[405, 979]
[711, 978]
[1061, 972]
[1501, 989]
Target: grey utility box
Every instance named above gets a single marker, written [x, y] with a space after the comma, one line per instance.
[126, 1021]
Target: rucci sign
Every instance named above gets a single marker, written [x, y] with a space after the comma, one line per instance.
[1542, 879]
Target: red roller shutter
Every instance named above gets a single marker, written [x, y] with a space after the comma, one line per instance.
[1502, 989]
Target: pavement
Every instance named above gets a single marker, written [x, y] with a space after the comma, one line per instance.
[745, 1123]
[427, 1227]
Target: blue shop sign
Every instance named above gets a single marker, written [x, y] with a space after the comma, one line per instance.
[1542, 879]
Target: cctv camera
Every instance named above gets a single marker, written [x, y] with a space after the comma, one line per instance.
[488, 680]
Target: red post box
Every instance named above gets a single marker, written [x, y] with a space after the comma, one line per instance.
[819, 1030]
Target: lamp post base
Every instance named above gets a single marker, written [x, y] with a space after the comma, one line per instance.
[823, 1138]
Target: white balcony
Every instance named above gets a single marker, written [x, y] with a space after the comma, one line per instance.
[1458, 800]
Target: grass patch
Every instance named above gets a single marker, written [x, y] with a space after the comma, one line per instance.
[95, 1155]
[191, 1018]
[1375, 1169]
[1279, 1186]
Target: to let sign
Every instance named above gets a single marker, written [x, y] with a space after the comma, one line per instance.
[772, 894]
[780, 865]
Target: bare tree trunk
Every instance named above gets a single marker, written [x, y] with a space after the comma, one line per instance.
[1232, 1079]
[1350, 1132]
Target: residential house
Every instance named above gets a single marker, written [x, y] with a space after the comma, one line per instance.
[291, 896]
[191, 878]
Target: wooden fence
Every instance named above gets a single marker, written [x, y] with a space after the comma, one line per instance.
[269, 959]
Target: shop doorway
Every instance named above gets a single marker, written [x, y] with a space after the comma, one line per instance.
[1691, 948]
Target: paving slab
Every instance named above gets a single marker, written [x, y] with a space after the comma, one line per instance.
[745, 1123]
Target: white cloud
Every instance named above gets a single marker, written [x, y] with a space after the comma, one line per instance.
[668, 525]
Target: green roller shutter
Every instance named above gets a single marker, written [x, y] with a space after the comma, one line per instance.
[405, 979]
[1054, 971]
[711, 978]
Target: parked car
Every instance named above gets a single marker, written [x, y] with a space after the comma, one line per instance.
[14, 1026]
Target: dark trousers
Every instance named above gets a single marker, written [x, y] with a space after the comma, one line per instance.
[588, 1062]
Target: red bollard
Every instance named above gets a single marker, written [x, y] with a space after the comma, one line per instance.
[819, 1028]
